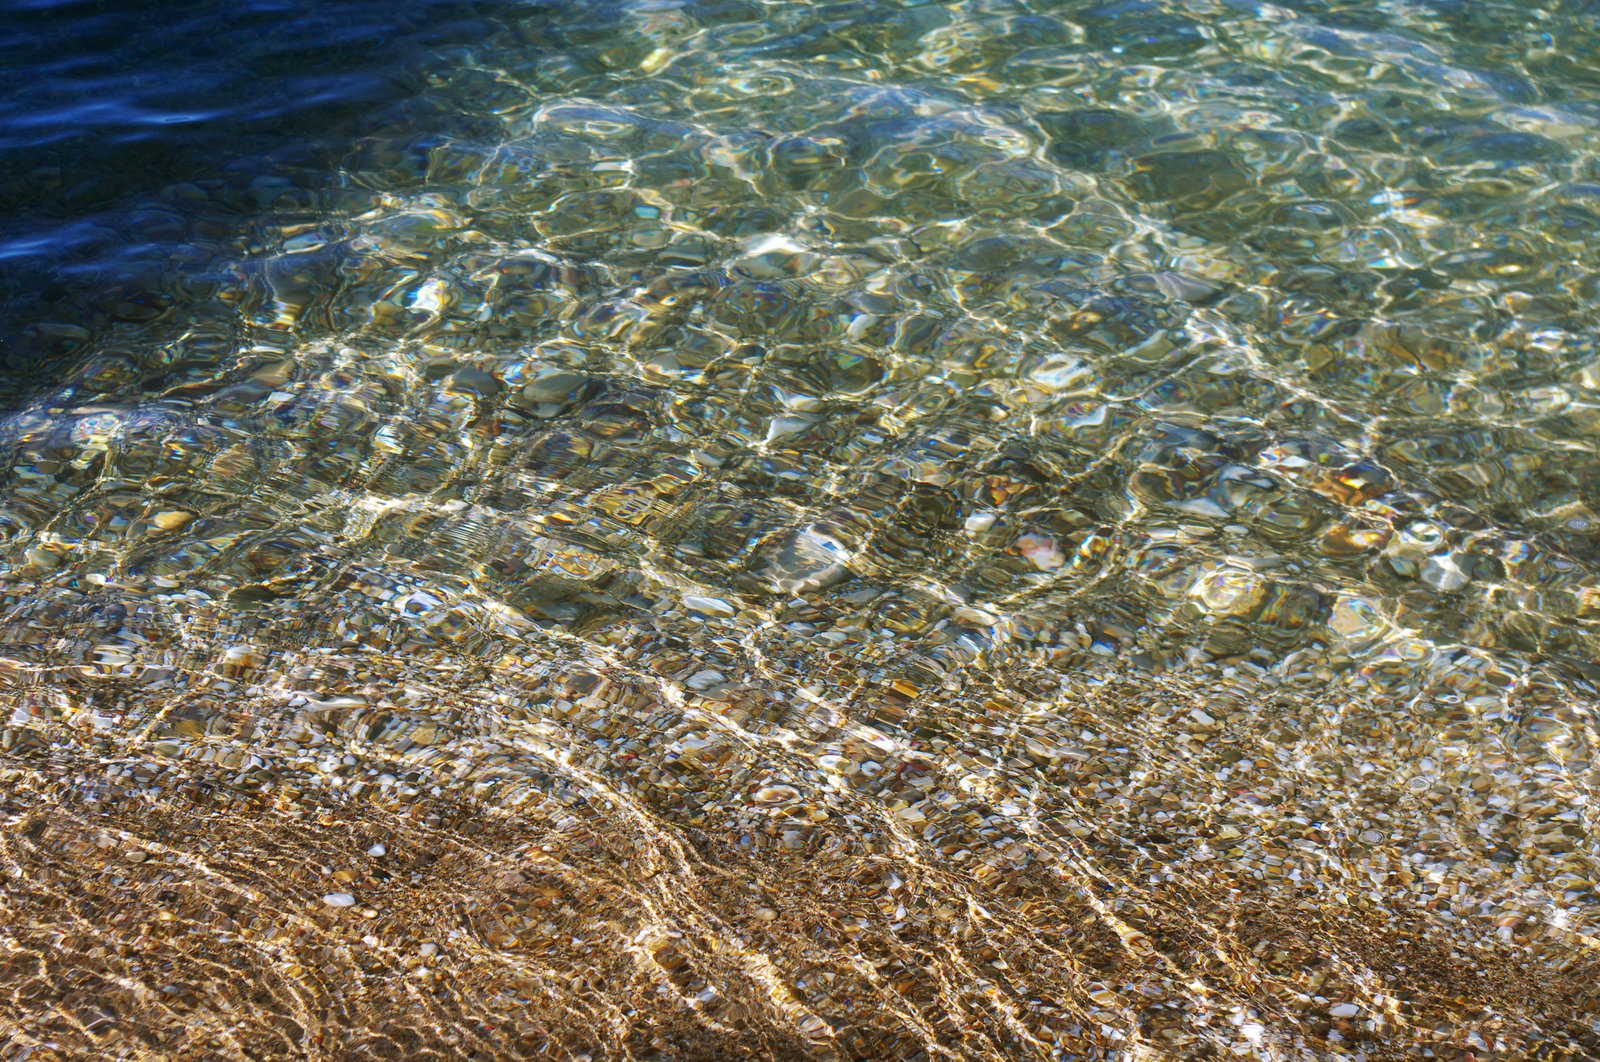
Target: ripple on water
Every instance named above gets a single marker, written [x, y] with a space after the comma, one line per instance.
[837, 532]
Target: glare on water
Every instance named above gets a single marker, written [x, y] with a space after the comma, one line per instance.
[972, 530]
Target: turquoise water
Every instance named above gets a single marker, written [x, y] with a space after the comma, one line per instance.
[790, 414]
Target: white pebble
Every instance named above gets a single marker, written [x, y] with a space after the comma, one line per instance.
[701, 680]
[339, 899]
[711, 606]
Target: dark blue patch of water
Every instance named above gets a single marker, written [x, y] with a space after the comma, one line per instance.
[104, 103]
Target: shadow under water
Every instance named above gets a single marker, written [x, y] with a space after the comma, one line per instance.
[857, 531]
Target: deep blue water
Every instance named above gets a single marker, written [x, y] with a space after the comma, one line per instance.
[105, 107]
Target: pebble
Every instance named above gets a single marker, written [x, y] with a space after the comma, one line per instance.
[711, 606]
[339, 899]
[703, 680]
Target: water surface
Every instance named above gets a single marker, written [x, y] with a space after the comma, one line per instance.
[871, 530]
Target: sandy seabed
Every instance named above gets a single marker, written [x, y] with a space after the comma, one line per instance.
[582, 848]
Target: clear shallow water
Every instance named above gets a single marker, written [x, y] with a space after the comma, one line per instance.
[778, 424]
